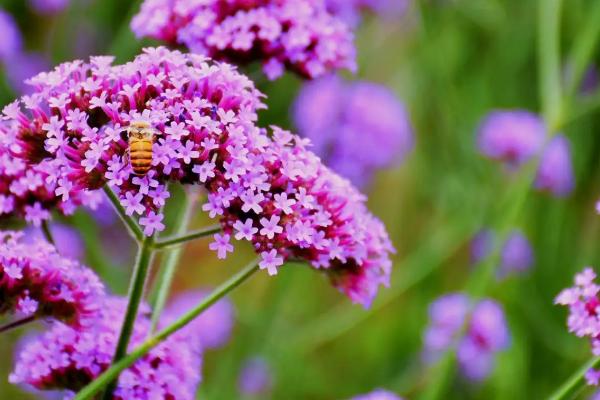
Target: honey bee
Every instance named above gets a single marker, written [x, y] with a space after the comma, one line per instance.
[141, 138]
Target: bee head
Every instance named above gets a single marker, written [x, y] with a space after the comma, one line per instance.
[140, 130]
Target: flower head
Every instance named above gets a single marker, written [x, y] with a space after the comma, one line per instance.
[212, 328]
[36, 280]
[255, 378]
[356, 128]
[12, 41]
[68, 240]
[512, 137]
[484, 335]
[300, 35]
[272, 183]
[378, 394]
[68, 358]
[555, 172]
[583, 321]
[517, 254]
[350, 10]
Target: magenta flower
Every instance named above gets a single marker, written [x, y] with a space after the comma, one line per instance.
[555, 172]
[12, 41]
[350, 10]
[68, 358]
[516, 254]
[256, 377]
[212, 328]
[36, 280]
[512, 136]
[356, 128]
[48, 6]
[300, 35]
[321, 218]
[379, 394]
[583, 321]
[68, 240]
[486, 333]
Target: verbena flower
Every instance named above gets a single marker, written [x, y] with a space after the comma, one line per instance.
[583, 321]
[255, 378]
[477, 343]
[32, 189]
[36, 280]
[68, 241]
[378, 394]
[22, 66]
[516, 254]
[204, 114]
[357, 128]
[511, 136]
[12, 41]
[212, 328]
[68, 358]
[350, 10]
[48, 6]
[555, 172]
[300, 35]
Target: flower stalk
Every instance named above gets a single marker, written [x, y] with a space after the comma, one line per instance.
[136, 291]
[132, 226]
[48, 233]
[113, 372]
[16, 324]
[181, 238]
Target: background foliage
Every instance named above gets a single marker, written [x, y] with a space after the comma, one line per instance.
[451, 62]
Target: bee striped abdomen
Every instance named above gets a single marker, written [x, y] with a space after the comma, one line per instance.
[140, 153]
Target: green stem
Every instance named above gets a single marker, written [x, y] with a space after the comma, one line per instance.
[113, 372]
[549, 61]
[179, 240]
[169, 263]
[132, 226]
[48, 233]
[136, 290]
[16, 324]
[575, 382]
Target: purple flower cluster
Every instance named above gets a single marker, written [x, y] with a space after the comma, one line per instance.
[255, 378]
[516, 136]
[300, 35]
[35, 280]
[350, 10]
[476, 330]
[356, 127]
[212, 328]
[379, 394]
[18, 64]
[270, 190]
[516, 255]
[48, 6]
[584, 321]
[68, 358]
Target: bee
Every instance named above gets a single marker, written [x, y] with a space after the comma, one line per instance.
[141, 138]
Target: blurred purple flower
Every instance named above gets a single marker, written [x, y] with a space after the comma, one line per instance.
[512, 136]
[48, 6]
[36, 280]
[350, 10]
[67, 358]
[22, 66]
[481, 245]
[516, 254]
[212, 328]
[300, 35]
[255, 378]
[379, 394]
[486, 333]
[555, 172]
[590, 81]
[68, 240]
[584, 321]
[205, 117]
[355, 127]
[12, 41]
